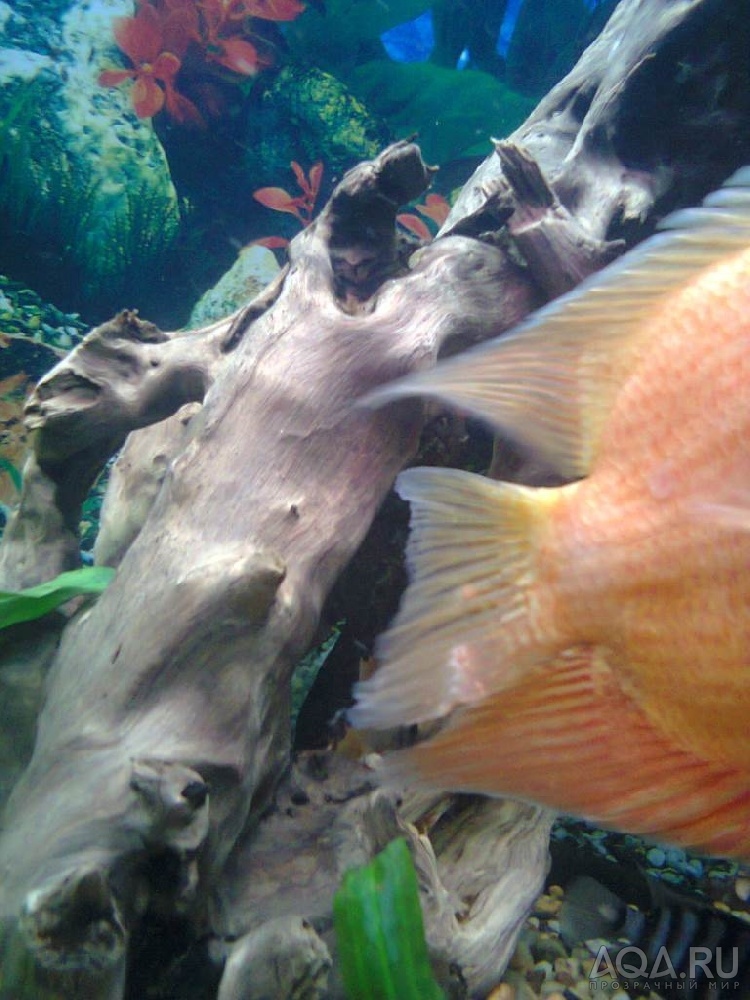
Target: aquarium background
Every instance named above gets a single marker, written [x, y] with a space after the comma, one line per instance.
[126, 181]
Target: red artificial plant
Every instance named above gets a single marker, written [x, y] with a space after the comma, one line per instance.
[167, 37]
[301, 206]
[435, 207]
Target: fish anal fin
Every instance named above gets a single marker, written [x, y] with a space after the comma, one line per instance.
[472, 620]
[567, 737]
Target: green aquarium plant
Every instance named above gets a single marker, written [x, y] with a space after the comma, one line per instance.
[26, 605]
[87, 223]
[309, 667]
[380, 933]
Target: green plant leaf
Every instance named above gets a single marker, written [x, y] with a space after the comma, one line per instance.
[12, 471]
[308, 669]
[380, 932]
[25, 605]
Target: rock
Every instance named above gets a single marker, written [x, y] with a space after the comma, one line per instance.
[87, 198]
[657, 857]
[309, 115]
[33, 24]
[548, 948]
[254, 268]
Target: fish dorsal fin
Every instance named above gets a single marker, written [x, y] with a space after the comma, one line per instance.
[552, 381]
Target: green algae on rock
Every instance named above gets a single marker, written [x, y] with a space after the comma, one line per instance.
[309, 115]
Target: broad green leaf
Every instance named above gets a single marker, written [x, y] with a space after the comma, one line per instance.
[25, 605]
[12, 471]
[380, 932]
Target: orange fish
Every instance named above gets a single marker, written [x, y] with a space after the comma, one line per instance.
[592, 641]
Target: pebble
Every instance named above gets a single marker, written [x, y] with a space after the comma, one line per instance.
[522, 989]
[656, 857]
[542, 968]
[522, 957]
[541, 971]
[548, 947]
[502, 992]
[24, 314]
[694, 867]
[547, 906]
[676, 857]
[564, 971]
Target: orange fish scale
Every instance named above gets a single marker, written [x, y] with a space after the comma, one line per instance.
[641, 572]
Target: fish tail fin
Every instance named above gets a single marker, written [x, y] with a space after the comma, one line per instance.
[467, 624]
[591, 910]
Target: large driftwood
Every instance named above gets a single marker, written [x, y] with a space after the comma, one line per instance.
[183, 666]
[166, 724]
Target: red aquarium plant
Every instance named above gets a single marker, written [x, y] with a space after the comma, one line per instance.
[302, 206]
[273, 10]
[434, 207]
[221, 42]
[170, 38]
[156, 53]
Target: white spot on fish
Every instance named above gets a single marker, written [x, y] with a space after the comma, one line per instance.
[465, 683]
[661, 482]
